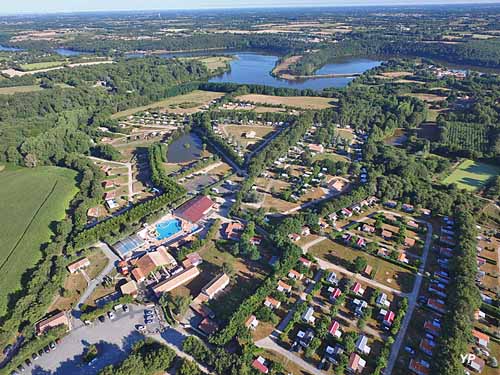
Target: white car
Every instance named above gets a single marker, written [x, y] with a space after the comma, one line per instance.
[111, 315]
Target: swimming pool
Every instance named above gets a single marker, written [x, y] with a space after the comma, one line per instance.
[168, 228]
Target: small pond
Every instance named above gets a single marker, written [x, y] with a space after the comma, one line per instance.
[184, 149]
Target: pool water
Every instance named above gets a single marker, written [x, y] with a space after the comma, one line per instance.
[168, 228]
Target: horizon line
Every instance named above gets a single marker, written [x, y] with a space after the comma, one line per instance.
[382, 5]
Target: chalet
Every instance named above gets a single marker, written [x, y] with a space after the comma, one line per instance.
[332, 278]
[388, 319]
[308, 316]
[382, 300]
[215, 286]
[256, 240]
[283, 287]
[295, 275]
[390, 204]
[419, 367]
[196, 209]
[432, 327]
[148, 263]
[110, 195]
[359, 306]
[409, 242]
[130, 289]
[427, 346]
[334, 329]
[346, 212]
[368, 270]
[368, 228]
[361, 345]
[192, 259]
[390, 217]
[387, 234]
[358, 289]
[56, 320]
[318, 148]
[305, 231]
[233, 231]
[304, 338]
[356, 364]
[402, 257]
[436, 305]
[251, 322]
[480, 338]
[305, 262]
[260, 365]
[407, 208]
[477, 364]
[425, 211]
[78, 265]
[272, 303]
[438, 289]
[361, 242]
[294, 237]
[413, 225]
[337, 185]
[175, 281]
[335, 294]
[208, 326]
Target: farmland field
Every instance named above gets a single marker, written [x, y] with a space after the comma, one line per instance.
[187, 103]
[466, 136]
[18, 89]
[42, 65]
[304, 102]
[32, 200]
[471, 175]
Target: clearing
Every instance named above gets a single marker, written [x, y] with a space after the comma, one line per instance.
[187, 103]
[19, 89]
[32, 200]
[303, 102]
[429, 98]
[472, 175]
[41, 65]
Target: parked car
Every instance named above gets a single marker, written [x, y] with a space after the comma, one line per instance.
[40, 352]
[46, 349]
[52, 345]
[34, 356]
[28, 362]
[102, 318]
[140, 328]
[21, 368]
[125, 308]
[111, 315]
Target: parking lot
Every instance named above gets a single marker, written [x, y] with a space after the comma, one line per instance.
[113, 338]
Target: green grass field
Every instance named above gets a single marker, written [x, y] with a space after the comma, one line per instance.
[41, 65]
[19, 89]
[472, 175]
[32, 199]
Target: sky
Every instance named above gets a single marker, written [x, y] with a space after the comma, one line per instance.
[50, 6]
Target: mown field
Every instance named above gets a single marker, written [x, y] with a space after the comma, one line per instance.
[472, 175]
[41, 65]
[32, 199]
[18, 89]
[187, 103]
[303, 102]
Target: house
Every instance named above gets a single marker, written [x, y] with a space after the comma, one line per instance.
[260, 365]
[390, 204]
[368, 228]
[427, 346]
[419, 367]
[308, 316]
[322, 223]
[346, 212]
[413, 225]
[130, 289]
[250, 135]
[332, 278]
[356, 288]
[368, 270]
[332, 354]
[382, 300]
[438, 289]
[196, 209]
[109, 195]
[316, 148]
[361, 242]
[305, 262]
[305, 231]
[391, 218]
[387, 234]
[477, 364]
[256, 240]
[295, 275]
[304, 338]
[111, 203]
[294, 237]
[425, 211]
[108, 184]
[337, 185]
[432, 327]
[175, 281]
[437, 305]
[402, 257]
[334, 329]
[359, 306]
[208, 326]
[383, 252]
[192, 260]
[409, 242]
[283, 287]
[233, 231]
[145, 265]
[78, 265]
[215, 286]
[272, 303]
[335, 294]
[361, 345]
[56, 320]
[388, 319]
[407, 208]
[481, 339]
[356, 364]
[251, 322]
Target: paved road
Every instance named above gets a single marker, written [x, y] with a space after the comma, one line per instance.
[114, 340]
[113, 258]
[130, 183]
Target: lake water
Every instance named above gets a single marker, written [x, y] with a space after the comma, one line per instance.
[69, 52]
[9, 49]
[255, 68]
[178, 152]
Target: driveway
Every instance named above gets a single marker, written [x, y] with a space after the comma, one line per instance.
[114, 340]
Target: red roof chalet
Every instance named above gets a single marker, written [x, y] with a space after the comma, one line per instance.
[389, 318]
[260, 364]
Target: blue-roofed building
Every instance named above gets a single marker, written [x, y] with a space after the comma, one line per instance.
[126, 247]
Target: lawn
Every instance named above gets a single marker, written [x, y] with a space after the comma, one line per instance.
[237, 132]
[32, 199]
[188, 103]
[333, 157]
[19, 89]
[472, 175]
[41, 65]
[304, 102]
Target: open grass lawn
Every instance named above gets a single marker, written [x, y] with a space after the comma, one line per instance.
[386, 273]
[472, 175]
[187, 103]
[32, 199]
[42, 65]
[304, 102]
[330, 156]
[19, 89]
[237, 132]
[290, 366]
[216, 62]
[429, 98]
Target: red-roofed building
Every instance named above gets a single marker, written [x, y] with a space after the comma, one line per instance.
[356, 364]
[306, 262]
[335, 294]
[481, 338]
[436, 305]
[272, 303]
[368, 270]
[233, 231]
[260, 365]
[386, 234]
[56, 320]
[196, 209]
[334, 329]
[294, 237]
[283, 287]
[356, 288]
[388, 319]
[419, 367]
[295, 275]
[78, 265]
[251, 322]
[432, 328]
[409, 242]
[368, 228]
[427, 346]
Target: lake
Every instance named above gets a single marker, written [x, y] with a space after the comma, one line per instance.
[69, 52]
[255, 68]
[178, 152]
[9, 49]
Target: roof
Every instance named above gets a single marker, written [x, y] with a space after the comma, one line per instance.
[129, 288]
[195, 209]
[409, 241]
[386, 233]
[284, 285]
[233, 230]
[336, 292]
[479, 336]
[75, 266]
[128, 245]
[315, 147]
[250, 320]
[208, 326]
[177, 280]
[295, 273]
[216, 285]
[259, 364]
[356, 362]
[368, 269]
[418, 367]
[304, 261]
[333, 327]
[356, 287]
[53, 321]
[271, 301]
[389, 317]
